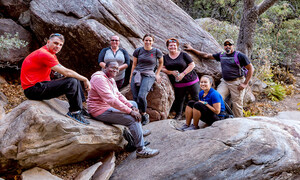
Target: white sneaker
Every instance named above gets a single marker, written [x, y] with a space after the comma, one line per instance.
[147, 152]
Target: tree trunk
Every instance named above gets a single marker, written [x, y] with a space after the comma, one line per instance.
[249, 19]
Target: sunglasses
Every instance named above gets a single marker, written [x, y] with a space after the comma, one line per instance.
[172, 40]
[114, 40]
[55, 34]
[228, 44]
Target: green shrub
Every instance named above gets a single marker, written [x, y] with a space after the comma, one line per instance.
[8, 41]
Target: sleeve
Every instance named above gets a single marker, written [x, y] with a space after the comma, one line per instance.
[158, 54]
[49, 60]
[187, 58]
[215, 98]
[101, 55]
[136, 52]
[217, 56]
[244, 61]
[102, 88]
[124, 100]
[127, 58]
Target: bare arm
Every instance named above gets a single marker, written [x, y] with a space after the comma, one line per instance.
[250, 69]
[70, 73]
[188, 47]
[160, 65]
[134, 62]
[123, 66]
[187, 70]
[216, 108]
[102, 64]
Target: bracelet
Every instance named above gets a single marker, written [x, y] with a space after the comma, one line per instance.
[184, 73]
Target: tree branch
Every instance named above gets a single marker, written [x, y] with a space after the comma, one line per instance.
[263, 6]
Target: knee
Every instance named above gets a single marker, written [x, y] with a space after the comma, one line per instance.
[198, 106]
[72, 82]
[191, 103]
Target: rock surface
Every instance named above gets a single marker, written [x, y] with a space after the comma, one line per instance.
[240, 148]
[13, 56]
[37, 133]
[88, 25]
[159, 100]
[38, 174]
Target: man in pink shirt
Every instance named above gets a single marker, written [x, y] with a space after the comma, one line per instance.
[107, 104]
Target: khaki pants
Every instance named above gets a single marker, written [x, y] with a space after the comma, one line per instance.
[226, 87]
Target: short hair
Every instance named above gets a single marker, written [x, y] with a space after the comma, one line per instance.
[59, 36]
[115, 36]
[148, 35]
[172, 40]
[210, 78]
[109, 62]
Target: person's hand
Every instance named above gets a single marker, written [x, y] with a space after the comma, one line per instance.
[158, 78]
[180, 76]
[242, 86]
[135, 109]
[87, 85]
[137, 116]
[187, 47]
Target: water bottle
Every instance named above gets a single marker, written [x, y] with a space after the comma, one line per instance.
[177, 76]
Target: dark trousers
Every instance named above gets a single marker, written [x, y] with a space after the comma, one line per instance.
[180, 94]
[207, 115]
[71, 87]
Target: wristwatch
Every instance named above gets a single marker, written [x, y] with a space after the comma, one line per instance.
[205, 103]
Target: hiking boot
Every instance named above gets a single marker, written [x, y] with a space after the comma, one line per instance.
[192, 127]
[145, 119]
[182, 128]
[147, 153]
[77, 116]
[146, 132]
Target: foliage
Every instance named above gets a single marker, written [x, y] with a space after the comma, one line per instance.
[275, 91]
[298, 107]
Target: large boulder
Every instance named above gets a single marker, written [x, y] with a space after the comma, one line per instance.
[240, 148]
[88, 25]
[13, 8]
[37, 133]
[14, 56]
[159, 100]
[3, 102]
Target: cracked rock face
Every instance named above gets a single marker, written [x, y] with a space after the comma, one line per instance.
[240, 148]
[88, 25]
[37, 133]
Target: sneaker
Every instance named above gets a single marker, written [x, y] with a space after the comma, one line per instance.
[147, 153]
[145, 119]
[146, 143]
[177, 117]
[192, 127]
[85, 112]
[146, 132]
[182, 128]
[77, 116]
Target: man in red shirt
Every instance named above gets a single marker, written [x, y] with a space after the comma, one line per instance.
[36, 82]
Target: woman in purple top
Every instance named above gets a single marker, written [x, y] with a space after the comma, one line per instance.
[179, 67]
[142, 75]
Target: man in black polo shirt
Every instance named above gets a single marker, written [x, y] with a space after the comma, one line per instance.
[237, 71]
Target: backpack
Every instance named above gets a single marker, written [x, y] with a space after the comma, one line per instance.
[236, 60]
[228, 111]
[130, 147]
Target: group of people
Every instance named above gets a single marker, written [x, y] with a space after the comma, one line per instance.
[105, 102]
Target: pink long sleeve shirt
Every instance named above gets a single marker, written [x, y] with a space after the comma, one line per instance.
[105, 94]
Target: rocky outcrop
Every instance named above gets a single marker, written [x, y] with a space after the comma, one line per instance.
[160, 99]
[37, 133]
[13, 8]
[3, 102]
[14, 56]
[240, 148]
[38, 174]
[88, 26]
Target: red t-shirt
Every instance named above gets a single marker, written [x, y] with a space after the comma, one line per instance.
[37, 67]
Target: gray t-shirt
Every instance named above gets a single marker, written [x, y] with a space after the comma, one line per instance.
[146, 60]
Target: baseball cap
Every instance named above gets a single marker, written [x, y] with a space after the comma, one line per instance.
[229, 40]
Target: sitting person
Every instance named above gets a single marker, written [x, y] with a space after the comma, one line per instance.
[142, 75]
[115, 53]
[179, 67]
[36, 82]
[107, 104]
[209, 108]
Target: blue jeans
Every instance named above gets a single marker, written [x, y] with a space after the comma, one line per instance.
[140, 93]
[114, 116]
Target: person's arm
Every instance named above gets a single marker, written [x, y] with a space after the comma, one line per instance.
[127, 60]
[70, 73]
[186, 71]
[169, 72]
[188, 47]
[216, 107]
[160, 65]
[134, 63]
[101, 58]
[123, 66]
[250, 69]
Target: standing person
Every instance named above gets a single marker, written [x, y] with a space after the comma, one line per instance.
[209, 108]
[179, 67]
[115, 53]
[107, 104]
[233, 81]
[142, 75]
[35, 78]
